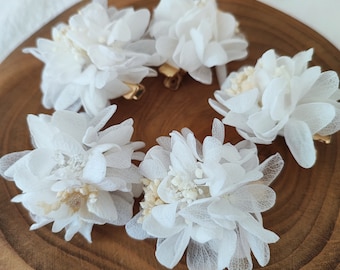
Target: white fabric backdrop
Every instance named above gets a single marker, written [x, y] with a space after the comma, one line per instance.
[21, 18]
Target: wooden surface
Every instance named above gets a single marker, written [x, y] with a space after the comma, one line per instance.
[306, 215]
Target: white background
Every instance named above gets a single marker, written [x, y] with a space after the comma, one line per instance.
[21, 18]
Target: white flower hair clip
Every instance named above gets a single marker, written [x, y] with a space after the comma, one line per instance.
[282, 96]
[101, 54]
[206, 199]
[193, 36]
[78, 175]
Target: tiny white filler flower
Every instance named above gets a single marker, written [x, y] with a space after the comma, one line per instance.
[196, 36]
[282, 96]
[91, 59]
[206, 199]
[78, 175]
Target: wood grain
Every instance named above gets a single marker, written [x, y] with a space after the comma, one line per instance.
[306, 215]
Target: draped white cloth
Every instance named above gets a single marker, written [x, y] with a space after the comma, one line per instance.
[21, 18]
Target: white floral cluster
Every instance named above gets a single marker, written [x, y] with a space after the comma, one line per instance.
[282, 96]
[102, 50]
[195, 35]
[78, 175]
[206, 199]
[91, 59]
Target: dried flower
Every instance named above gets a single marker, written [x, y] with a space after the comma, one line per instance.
[91, 59]
[78, 175]
[282, 96]
[206, 199]
[195, 36]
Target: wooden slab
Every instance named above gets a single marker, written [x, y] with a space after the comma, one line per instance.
[306, 215]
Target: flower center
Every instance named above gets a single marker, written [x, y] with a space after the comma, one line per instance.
[69, 167]
[79, 54]
[244, 81]
[151, 198]
[74, 198]
[185, 189]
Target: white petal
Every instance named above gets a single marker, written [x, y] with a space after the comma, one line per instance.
[242, 102]
[120, 32]
[41, 131]
[254, 227]
[152, 169]
[104, 207]
[222, 209]
[95, 168]
[117, 134]
[301, 60]
[85, 230]
[104, 57]
[60, 224]
[67, 145]
[332, 127]
[259, 249]
[8, 160]
[214, 55]
[315, 115]
[253, 198]
[170, 251]
[301, 85]
[123, 202]
[218, 130]
[188, 58]
[198, 42]
[268, 61]
[99, 121]
[134, 228]
[26, 180]
[138, 22]
[181, 157]
[197, 213]
[212, 149]
[300, 142]
[119, 159]
[202, 235]
[202, 74]
[236, 48]
[41, 162]
[153, 228]
[241, 258]
[226, 249]
[72, 229]
[165, 214]
[271, 168]
[201, 256]
[323, 88]
[71, 123]
[69, 96]
[221, 74]
[165, 46]
[227, 24]
[264, 126]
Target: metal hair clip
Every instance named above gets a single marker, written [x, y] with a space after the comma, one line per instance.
[136, 91]
[324, 139]
[173, 76]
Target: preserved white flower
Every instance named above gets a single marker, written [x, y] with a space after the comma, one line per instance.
[196, 36]
[206, 199]
[78, 175]
[91, 59]
[282, 96]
